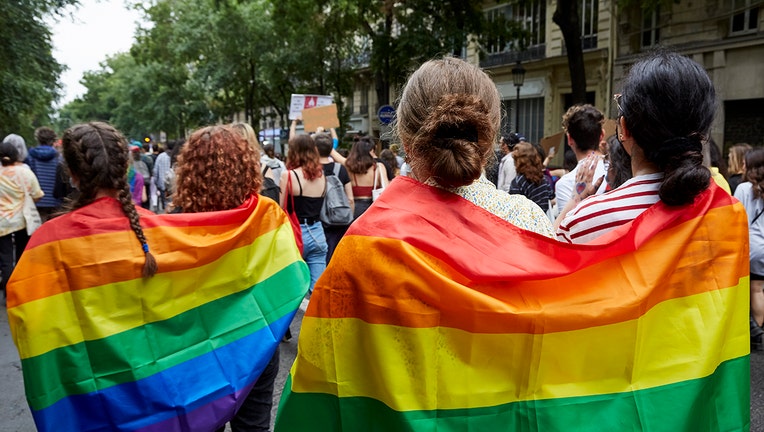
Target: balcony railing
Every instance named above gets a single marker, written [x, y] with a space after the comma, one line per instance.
[505, 58]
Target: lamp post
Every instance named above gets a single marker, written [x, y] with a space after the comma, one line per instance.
[518, 76]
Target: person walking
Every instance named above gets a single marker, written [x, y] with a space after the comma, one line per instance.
[303, 184]
[17, 185]
[750, 194]
[221, 151]
[44, 161]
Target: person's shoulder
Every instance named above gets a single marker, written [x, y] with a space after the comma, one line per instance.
[24, 169]
[743, 190]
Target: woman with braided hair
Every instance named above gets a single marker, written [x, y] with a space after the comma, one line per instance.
[96, 156]
[664, 114]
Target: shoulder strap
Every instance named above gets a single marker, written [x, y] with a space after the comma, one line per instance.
[336, 169]
[298, 182]
[265, 170]
[757, 216]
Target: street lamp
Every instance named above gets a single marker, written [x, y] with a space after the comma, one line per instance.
[518, 76]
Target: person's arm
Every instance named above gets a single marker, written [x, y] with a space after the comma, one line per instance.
[337, 157]
[144, 195]
[293, 129]
[33, 187]
[382, 172]
[335, 139]
[549, 157]
[349, 193]
[585, 186]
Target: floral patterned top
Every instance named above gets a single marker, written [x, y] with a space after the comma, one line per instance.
[15, 181]
[515, 209]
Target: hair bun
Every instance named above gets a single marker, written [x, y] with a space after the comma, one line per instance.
[457, 117]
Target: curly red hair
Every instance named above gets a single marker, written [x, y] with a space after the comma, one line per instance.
[528, 162]
[216, 170]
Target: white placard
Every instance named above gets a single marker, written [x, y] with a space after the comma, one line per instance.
[300, 102]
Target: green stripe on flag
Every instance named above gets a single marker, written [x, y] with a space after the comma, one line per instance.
[719, 402]
[151, 348]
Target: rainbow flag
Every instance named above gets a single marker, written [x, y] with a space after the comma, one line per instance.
[457, 321]
[103, 349]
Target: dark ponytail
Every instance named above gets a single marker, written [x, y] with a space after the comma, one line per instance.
[685, 176]
[97, 154]
[668, 105]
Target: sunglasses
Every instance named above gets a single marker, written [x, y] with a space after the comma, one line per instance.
[617, 100]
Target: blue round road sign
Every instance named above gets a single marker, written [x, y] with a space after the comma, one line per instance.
[386, 114]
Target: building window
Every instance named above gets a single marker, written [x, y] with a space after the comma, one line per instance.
[589, 17]
[530, 15]
[531, 118]
[745, 19]
[650, 32]
[363, 108]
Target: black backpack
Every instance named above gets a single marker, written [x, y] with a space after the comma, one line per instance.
[270, 189]
[336, 208]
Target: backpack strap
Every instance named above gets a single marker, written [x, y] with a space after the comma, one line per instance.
[336, 169]
[265, 170]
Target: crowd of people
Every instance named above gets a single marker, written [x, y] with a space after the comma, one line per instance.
[448, 122]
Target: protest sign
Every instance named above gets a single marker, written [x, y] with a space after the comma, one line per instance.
[301, 102]
[325, 116]
[551, 141]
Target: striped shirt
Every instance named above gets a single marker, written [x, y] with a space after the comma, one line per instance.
[600, 214]
[540, 193]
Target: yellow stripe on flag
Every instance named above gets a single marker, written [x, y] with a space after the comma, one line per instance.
[445, 368]
[73, 314]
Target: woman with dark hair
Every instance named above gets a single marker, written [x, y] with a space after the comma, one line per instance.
[304, 184]
[750, 194]
[365, 173]
[619, 164]
[391, 165]
[664, 139]
[16, 181]
[530, 180]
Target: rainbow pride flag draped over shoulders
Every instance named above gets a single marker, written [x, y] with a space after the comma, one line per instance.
[103, 349]
[436, 316]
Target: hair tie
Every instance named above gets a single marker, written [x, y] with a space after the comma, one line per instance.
[458, 132]
[677, 146]
[145, 248]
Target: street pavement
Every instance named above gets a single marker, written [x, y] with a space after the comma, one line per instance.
[15, 416]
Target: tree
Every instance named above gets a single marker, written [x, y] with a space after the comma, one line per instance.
[29, 73]
[567, 17]
[404, 34]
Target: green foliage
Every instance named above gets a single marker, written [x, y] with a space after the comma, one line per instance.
[28, 71]
[200, 61]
